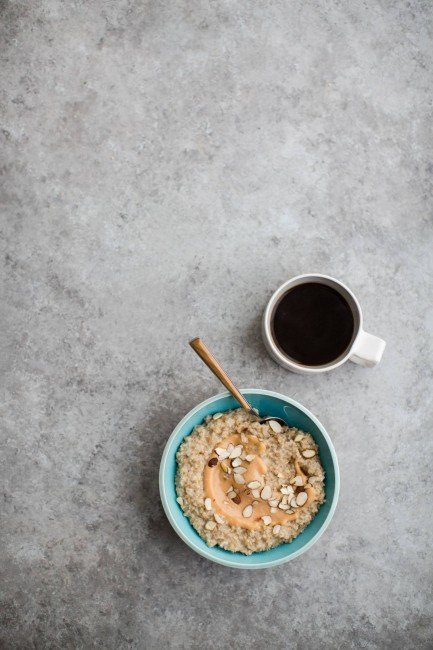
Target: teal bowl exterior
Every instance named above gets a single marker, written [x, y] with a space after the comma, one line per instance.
[296, 415]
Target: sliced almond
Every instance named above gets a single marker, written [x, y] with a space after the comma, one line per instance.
[286, 489]
[208, 504]
[216, 416]
[285, 499]
[240, 470]
[313, 479]
[244, 438]
[301, 498]
[180, 501]
[210, 525]
[236, 452]
[230, 447]
[267, 520]
[254, 503]
[276, 529]
[274, 510]
[266, 493]
[218, 518]
[236, 462]
[250, 457]
[231, 494]
[239, 479]
[255, 493]
[293, 503]
[299, 480]
[221, 453]
[308, 453]
[247, 512]
[275, 426]
[274, 503]
[299, 437]
[283, 506]
[254, 484]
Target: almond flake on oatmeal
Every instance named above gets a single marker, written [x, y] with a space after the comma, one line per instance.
[230, 447]
[180, 501]
[216, 416]
[255, 493]
[210, 525]
[240, 470]
[247, 512]
[308, 453]
[283, 506]
[293, 503]
[299, 480]
[286, 489]
[208, 504]
[231, 494]
[267, 520]
[299, 437]
[301, 498]
[239, 478]
[236, 452]
[275, 426]
[221, 453]
[274, 503]
[236, 462]
[250, 457]
[254, 484]
[254, 503]
[218, 518]
[266, 492]
[276, 529]
[244, 438]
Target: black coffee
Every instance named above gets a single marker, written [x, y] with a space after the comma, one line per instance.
[313, 324]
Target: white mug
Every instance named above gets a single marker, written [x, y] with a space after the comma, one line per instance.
[364, 349]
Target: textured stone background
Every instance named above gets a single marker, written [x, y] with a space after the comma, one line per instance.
[165, 165]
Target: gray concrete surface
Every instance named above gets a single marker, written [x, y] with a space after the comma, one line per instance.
[164, 167]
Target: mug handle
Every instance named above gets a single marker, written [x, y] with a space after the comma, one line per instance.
[368, 350]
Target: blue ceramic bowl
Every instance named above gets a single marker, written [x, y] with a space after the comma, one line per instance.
[268, 403]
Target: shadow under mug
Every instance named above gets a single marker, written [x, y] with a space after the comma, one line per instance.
[364, 349]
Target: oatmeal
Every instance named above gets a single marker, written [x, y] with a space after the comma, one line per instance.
[248, 486]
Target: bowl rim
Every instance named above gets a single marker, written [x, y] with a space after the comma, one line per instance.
[234, 564]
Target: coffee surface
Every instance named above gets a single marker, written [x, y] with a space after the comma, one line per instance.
[313, 324]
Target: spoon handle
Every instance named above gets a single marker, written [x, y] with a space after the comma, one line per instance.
[207, 357]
